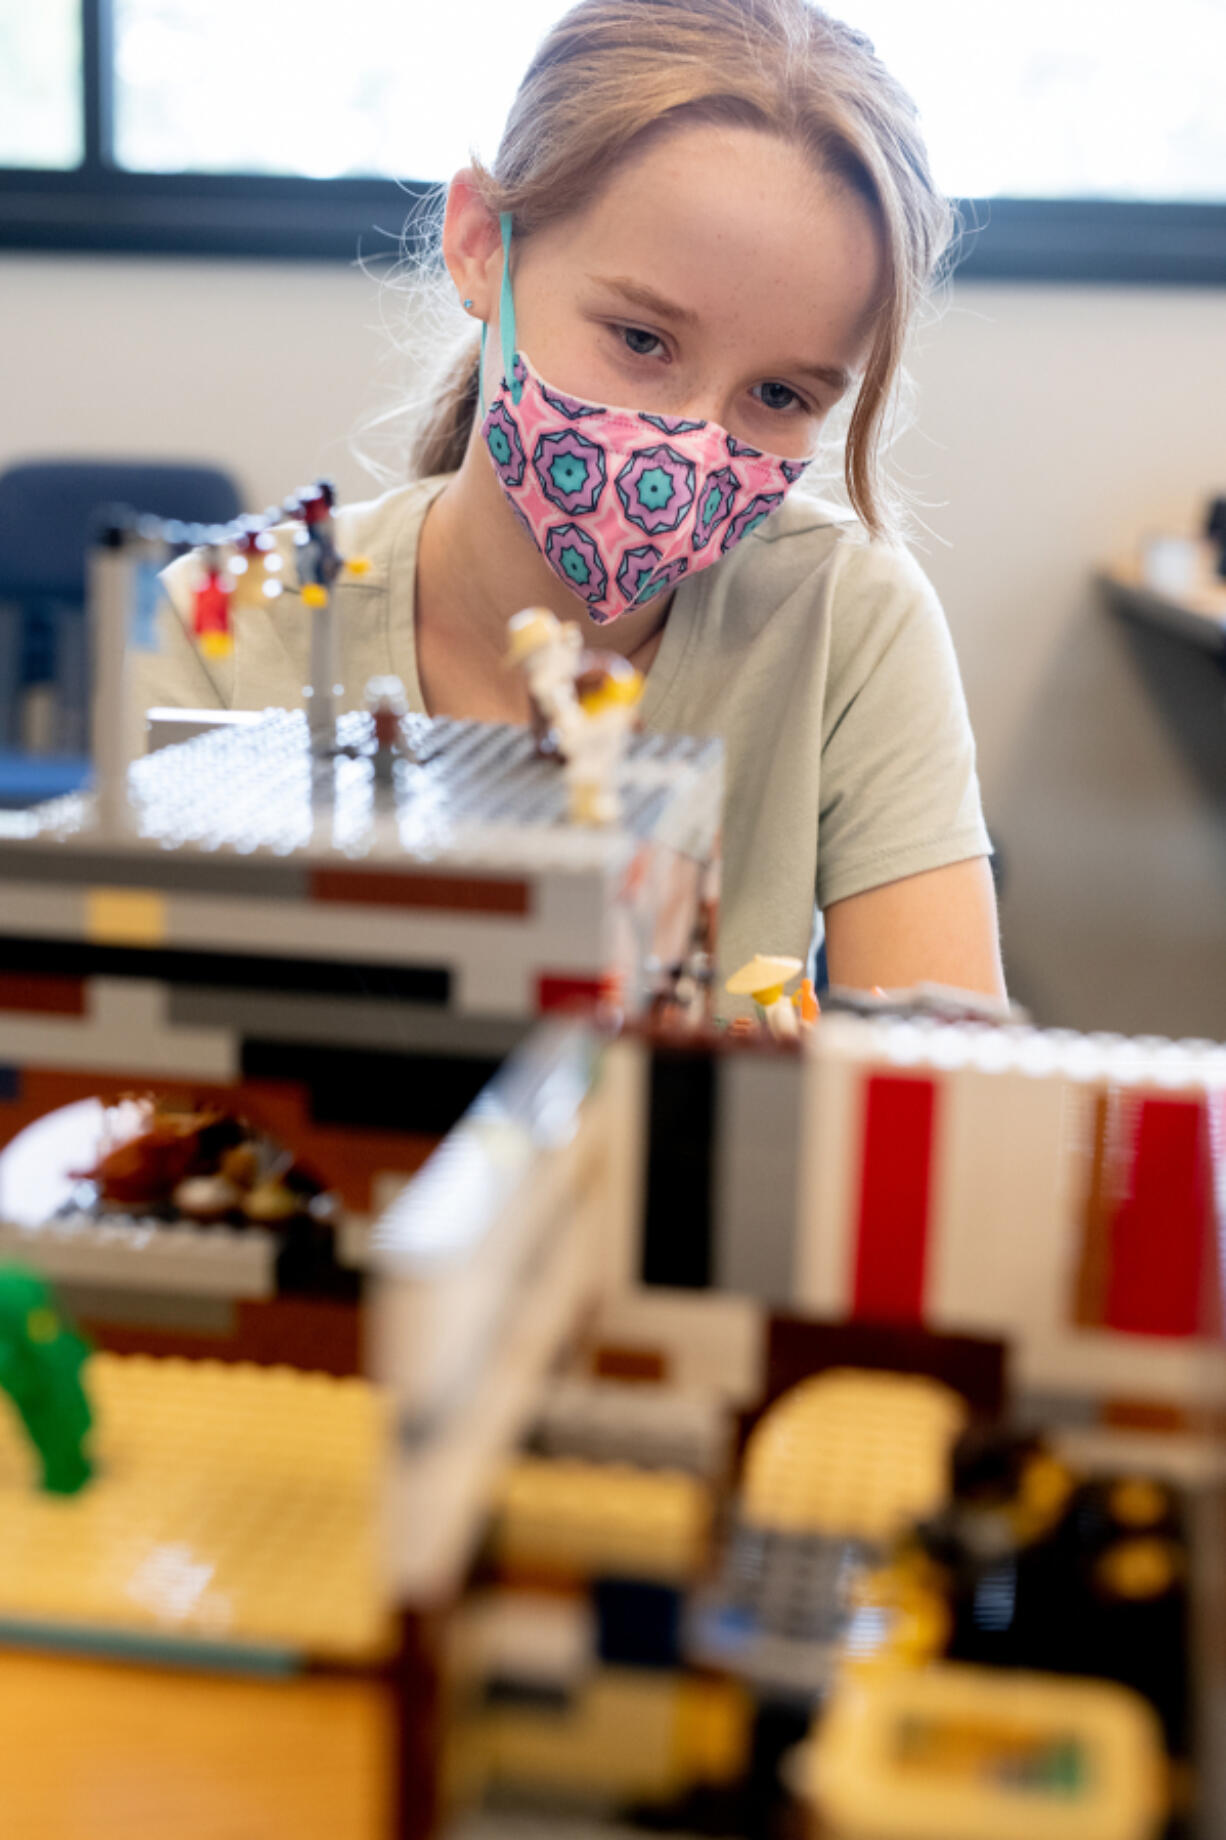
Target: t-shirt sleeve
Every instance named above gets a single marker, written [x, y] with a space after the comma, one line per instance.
[174, 675]
[900, 792]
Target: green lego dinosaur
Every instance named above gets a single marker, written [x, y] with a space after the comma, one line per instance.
[41, 1357]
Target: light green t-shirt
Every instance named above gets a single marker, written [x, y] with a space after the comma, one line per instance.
[821, 659]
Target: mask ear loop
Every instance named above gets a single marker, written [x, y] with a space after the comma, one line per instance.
[506, 313]
[506, 325]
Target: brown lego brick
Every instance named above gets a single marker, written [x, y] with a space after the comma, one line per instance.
[317, 1334]
[798, 1347]
[611, 1361]
[446, 893]
[420, 1699]
[41, 993]
[1096, 1208]
[1148, 1415]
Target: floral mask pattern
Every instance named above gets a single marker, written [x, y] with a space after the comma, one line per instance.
[621, 505]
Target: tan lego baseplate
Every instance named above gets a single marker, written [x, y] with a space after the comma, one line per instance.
[232, 1506]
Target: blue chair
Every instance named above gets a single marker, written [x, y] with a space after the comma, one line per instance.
[46, 510]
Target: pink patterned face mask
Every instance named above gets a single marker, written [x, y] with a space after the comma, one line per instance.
[621, 505]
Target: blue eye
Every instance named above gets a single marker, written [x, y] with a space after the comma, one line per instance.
[777, 396]
[633, 333]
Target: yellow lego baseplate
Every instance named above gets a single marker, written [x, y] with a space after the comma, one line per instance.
[232, 1507]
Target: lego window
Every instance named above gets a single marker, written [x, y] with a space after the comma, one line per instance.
[41, 123]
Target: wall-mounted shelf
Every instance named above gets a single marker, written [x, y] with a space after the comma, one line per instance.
[1199, 615]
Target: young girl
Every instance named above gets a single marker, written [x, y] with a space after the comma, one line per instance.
[709, 222]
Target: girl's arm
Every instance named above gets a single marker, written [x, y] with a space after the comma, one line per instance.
[938, 927]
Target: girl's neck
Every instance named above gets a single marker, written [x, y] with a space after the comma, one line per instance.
[475, 568]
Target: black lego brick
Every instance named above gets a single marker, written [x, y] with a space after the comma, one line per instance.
[678, 1235]
[638, 1623]
[425, 1094]
[233, 970]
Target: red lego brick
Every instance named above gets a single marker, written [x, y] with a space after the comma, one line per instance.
[1162, 1266]
[895, 1196]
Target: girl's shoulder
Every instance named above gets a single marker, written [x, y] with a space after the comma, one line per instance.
[811, 549]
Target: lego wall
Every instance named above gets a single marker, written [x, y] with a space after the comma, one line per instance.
[1055, 424]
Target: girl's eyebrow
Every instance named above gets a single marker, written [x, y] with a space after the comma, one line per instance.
[640, 295]
[832, 374]
[647, 298]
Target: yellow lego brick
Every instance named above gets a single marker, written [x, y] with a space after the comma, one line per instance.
[713, 1731]
[619, 1737]
[951, 1752]
[125, 916]
[576, 1519]
[852, 1453]
[232, 1505]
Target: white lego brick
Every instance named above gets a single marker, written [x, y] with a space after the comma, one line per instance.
[571, 914]
[624, 1421]
[711, 1342]
[45, 911]
[125, 1031]
[831, 1139]
[432, 1334]
[536, 1638]
[756, 1204]
[1177, 1457]
[440, 1485]
[1105, 1364]
[493, 982]
[461, 1241]
[147, 1255]
[1004, 1239]
[619, 1106]
[168, 727]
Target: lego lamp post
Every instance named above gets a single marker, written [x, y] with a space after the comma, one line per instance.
[320, 565]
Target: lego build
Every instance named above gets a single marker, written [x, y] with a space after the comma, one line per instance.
[447, 1331]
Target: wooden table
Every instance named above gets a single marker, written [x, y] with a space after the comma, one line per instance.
[103, 1751]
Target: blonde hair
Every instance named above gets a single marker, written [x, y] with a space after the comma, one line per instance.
[612, 72]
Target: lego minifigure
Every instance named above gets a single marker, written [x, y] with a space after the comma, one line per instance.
[549, 651]
[255, 564]
[386, 703]
[211, 606]
[594, 736]
[764, 979]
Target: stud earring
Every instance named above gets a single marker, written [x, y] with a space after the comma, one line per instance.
[468, 306]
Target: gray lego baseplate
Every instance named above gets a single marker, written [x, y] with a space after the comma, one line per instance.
[462, 795]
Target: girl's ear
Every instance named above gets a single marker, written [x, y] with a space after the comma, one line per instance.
[472, 246]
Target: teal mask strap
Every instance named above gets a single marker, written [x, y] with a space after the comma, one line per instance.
[506, 313]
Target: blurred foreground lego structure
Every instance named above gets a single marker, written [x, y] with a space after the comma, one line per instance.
[716, 1433]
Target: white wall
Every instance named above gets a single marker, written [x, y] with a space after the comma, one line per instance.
[1054, 425]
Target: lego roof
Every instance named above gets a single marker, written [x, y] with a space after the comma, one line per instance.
[471, 795]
